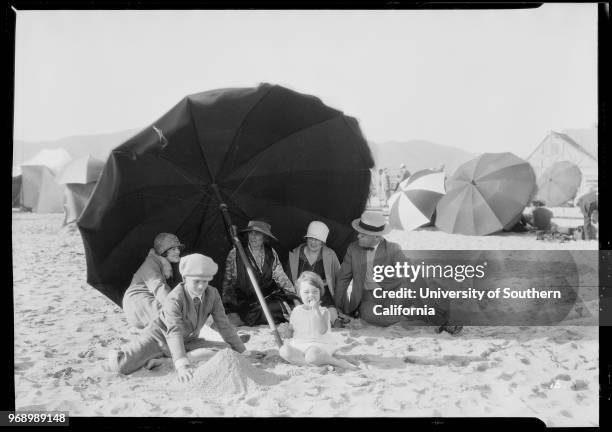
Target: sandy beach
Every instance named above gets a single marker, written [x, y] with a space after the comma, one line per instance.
[64, 328]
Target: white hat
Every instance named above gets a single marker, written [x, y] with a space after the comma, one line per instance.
[317, 230]
[371, 223]
[197, 265]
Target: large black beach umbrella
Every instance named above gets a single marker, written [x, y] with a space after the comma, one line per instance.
[269, 151]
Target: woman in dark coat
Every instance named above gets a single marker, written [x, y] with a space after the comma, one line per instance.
[238, 295]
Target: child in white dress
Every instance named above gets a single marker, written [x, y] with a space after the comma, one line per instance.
[312, 341]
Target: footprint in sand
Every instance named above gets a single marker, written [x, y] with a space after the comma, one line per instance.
[555, 382]
[536, 392]
[90, 352]
[66, 373]
[188, 410]
[252, 401]
[484, 389]
[506, 376]
[370, 341]
[314, 391]
[579, 385]
[359, 382]
[482, 367]
[23, 364]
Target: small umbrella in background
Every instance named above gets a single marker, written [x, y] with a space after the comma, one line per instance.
[485, 194]
[415, 203]
[559, 183]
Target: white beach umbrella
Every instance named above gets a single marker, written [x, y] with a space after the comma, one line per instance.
[415, 203]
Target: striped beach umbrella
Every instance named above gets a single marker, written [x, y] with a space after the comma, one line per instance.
[486, 194]
[415, 203]
[559, 183]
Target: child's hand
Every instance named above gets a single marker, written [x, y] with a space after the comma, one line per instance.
[316, 306]
[185, 373]
[284, 330]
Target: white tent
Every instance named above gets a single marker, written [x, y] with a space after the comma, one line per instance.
[578, 146]
[80, 177]
[40, 190]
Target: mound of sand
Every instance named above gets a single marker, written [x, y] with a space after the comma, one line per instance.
[229, 373]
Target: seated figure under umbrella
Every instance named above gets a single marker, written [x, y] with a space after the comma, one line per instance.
[315, 256]
[239, 297]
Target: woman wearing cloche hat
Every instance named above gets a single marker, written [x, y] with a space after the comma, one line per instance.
[239, 297]
[314, 255]
[154, 279]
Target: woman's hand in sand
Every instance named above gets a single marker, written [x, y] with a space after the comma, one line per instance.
[253, 354]
[185, 373]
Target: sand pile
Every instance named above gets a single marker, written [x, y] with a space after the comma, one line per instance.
[228, 372]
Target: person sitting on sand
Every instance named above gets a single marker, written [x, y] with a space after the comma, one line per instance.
[153, 281]
[175, 332]
[356, 270]
[310, 338]
[315, 256]
[541, 217]
[239, 297]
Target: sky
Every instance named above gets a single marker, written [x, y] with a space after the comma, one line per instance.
[477, 80]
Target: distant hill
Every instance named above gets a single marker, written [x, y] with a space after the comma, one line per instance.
[99, 146]
[418, 155]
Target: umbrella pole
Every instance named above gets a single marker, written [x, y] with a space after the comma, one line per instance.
[247, 265]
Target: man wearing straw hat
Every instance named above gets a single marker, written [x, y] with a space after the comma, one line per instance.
[369, 250]
[361, 256]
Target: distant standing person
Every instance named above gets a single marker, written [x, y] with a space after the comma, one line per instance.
[153, 280]
[403, 175]
[589, 207]
[384, 186]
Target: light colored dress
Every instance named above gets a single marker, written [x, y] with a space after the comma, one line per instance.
[306, 332]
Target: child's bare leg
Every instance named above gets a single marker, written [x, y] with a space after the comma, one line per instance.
[317, 356]
[292, 355]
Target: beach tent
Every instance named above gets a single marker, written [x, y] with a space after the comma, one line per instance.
[80, 177]
[486, 195]
[265, 152]
[578, 146]
[40, 190]
[16, 189]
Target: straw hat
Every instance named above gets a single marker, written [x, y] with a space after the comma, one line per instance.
[260, 226]
[371, 223]
[317, 230]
